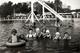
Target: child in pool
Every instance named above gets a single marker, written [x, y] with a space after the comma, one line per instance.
[48, 34]
[66, 39]
[30, 38]
[43, 33]
[57, 35]
[57, 39]
[13, 38]
[37, 33]
[66, 36]
[30, 35]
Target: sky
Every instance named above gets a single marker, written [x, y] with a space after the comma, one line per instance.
[73, 3]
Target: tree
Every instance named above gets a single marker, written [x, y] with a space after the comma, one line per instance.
[38, 8]
[6, 9]
[58, 6]
[51, 4]
[17, 7]
[24, 8]
[21, 8]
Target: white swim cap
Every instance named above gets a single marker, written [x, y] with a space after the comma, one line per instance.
[37, 29]
[47, 31]
[57, 33]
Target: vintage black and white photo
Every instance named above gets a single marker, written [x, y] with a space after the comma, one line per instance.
[39, 26]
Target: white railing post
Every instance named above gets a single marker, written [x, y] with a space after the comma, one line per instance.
[43, 12]
[32, 11]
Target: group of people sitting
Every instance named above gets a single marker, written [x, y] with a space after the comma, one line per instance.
[36, 34]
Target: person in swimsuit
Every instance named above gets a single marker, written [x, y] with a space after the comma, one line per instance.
[43, 33]
[37, 33]
[13, 38]
[48, 34]
[57, 39]
[30, 38]
[66, 40]
[57, 35]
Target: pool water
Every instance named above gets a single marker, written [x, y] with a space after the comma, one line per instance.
[43, 46]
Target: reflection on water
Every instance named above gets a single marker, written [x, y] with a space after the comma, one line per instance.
[43, 46]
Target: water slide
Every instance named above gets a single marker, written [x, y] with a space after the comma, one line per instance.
[51, 10]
